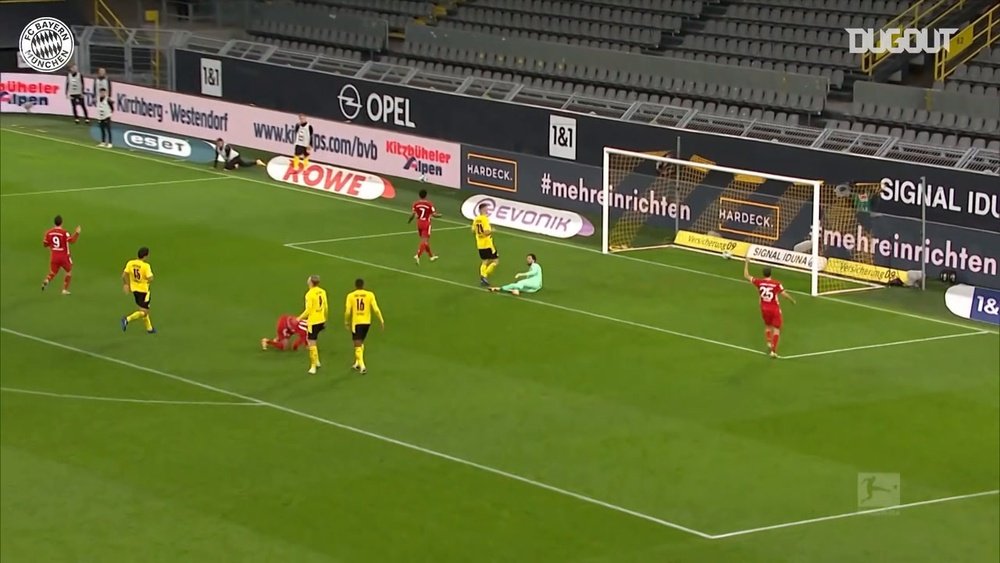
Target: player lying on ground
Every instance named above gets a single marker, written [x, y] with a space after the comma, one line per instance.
[229, 158]
[288, 326]
[57, 240]
[528, 282]
[424, 212]
[770, 309]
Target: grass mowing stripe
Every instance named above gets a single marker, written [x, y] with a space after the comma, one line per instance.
[340, 199]
[114, 187]
[363, 432]
[366, 237]
[534, 301]
[853, 514]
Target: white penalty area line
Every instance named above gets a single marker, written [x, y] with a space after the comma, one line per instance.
[367, 433]
[885, 344]
[114, 187]
[854, 514]
[366, 237]
[373, 205]
[297, 246]
[127, 400]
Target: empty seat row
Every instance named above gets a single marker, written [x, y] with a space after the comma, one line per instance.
[805, 36]
[835, 75]
[653, 81]
[826, 56]
[990, 127]
[534, 35]
[990, 56]
[317, 35]
[917, 136]
[561, 26]
[687, 7]
[327, 51]
[403, 7]
[580, 11]
[805, 18]
[868, 7]
[976, 89]
[315, 16]
[979, 74]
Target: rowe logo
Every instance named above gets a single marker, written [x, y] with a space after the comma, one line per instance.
[913, 41]
[328, 178]
[169, 146]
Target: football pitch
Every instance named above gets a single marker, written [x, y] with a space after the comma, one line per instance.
[626, 413]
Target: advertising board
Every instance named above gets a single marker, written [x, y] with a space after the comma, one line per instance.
[386, 153]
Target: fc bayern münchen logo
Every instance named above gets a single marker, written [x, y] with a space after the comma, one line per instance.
[47, 44]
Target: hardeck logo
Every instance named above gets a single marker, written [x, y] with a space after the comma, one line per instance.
[27, 94]
[323, 177]
[913, 41]
[418, 159]
[492, 172]
[530, 218]
[378, 108]
[151, 142]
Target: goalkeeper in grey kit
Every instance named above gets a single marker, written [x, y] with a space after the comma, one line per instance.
[229, 158]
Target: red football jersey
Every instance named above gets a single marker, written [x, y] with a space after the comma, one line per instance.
[424, 211]
[57, 240]
[289, 325]
[769, 289]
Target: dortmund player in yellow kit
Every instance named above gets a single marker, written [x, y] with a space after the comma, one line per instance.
[315, 314]
[136, 278]
[358, 311]
[484, 243]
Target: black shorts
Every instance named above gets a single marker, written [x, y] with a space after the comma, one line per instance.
[76, 99]
[301, 151]
[488, 253]
[315, 329]
[360, 332]
[141, 299]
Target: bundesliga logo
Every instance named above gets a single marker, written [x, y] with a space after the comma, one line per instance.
[47, 44]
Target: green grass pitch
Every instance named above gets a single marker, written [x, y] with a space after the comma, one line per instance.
[624, 414]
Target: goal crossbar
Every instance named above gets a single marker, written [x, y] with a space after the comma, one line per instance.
[815, 185]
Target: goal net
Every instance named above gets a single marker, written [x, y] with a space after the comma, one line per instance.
[652, 200]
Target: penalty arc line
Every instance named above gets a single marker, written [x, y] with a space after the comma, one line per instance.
[128, 400]
[367, 433]
[366, 237]
[534, 301]
[372, 205]
[114, 187]
[853, 514]
[885, 344]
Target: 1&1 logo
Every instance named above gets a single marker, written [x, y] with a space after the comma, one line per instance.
[47, 44]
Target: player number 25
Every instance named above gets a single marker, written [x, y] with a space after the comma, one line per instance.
[766, 293]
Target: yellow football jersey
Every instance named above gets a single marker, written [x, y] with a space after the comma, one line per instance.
[317, 307]
[359, 307]
[139, 275]
[483, 231]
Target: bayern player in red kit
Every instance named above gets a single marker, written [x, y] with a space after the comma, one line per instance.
[769, 290]
[57, 240]
[288, 326]
[424, 213]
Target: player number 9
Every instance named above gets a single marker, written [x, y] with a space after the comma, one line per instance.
[56, 243]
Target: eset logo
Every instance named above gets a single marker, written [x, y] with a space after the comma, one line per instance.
[26, 94]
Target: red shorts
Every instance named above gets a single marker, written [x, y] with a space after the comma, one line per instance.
[424, 230]
[60, 262]
[772, 317]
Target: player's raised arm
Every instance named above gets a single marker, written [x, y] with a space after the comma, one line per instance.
[746, 269]
[76, 235]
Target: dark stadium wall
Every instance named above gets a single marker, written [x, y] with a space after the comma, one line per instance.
[956, 197]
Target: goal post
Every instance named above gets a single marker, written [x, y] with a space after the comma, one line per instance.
[653, 200]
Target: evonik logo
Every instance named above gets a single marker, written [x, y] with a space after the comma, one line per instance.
[895, 41]
[378, 108]
[530, 218]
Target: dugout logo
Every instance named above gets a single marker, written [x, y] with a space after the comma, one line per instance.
[47, 44]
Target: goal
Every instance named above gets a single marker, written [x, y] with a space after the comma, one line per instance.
[653, 200]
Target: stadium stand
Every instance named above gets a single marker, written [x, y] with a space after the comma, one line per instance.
[781, 61]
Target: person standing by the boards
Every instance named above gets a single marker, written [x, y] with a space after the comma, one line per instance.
[74, 91]
[104, 110]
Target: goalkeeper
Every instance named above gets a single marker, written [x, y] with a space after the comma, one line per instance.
[528, 282]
